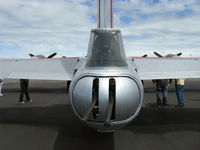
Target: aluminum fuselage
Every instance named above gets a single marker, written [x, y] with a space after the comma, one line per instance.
[106, 92]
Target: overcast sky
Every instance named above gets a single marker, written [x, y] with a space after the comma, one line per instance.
[63, 26]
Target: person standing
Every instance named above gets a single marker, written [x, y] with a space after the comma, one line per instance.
[161, 91]
[24, 91]
[1, 84]
[179, 85]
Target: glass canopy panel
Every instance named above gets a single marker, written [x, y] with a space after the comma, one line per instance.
[106, 49]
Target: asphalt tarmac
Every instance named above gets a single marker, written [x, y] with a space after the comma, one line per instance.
[49, 123]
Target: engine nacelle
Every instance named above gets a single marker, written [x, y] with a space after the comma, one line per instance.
[106, 103]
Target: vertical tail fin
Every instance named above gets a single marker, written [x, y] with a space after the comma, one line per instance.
[105, 15]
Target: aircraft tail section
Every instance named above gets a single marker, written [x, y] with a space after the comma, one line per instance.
[105, 15]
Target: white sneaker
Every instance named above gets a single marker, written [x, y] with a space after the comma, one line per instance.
[30, 101]
[1, 94]
[22, 102]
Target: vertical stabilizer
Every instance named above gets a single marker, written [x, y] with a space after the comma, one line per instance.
[105, 17]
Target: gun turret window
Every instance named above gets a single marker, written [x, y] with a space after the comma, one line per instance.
[106, 49]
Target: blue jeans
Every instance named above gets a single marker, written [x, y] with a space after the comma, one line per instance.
[161, 94]
[179, 94]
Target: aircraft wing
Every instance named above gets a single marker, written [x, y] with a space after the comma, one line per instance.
[165, 68]
[40, 69]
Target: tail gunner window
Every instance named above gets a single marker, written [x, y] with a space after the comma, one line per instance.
[106, 49]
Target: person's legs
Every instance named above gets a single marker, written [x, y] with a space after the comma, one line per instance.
[159, 95]
[27, 95]
[27, 91]
[165, 93]
[179, 94]
[182, 95]
[21, 96]
[22, 90]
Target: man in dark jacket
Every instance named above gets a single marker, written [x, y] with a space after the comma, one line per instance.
[24, 91]
[161, 91]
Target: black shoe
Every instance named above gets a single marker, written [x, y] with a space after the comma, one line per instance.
[158, 103]
[179, 105]
[164, 103]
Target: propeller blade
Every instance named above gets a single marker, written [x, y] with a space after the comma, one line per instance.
[157, 54]
[52, 55]
[179, 54]
[31, 55]
[144, 55]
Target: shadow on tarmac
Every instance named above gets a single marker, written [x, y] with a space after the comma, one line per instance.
[160, 120]
[73, 135]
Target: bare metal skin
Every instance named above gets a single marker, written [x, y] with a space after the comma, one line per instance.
[106, 93]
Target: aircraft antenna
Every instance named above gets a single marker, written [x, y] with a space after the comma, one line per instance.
[105, 14]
